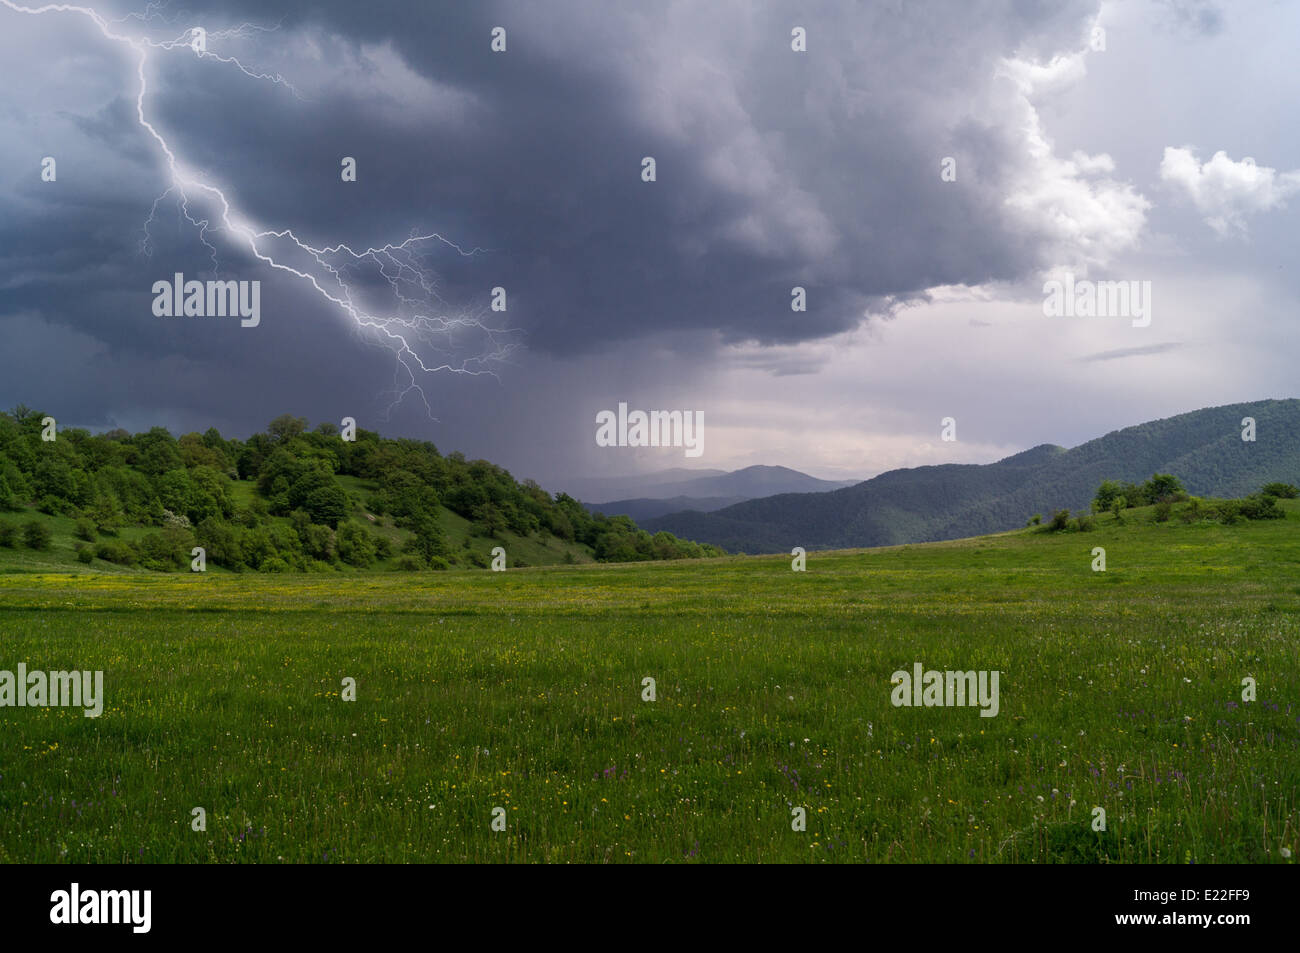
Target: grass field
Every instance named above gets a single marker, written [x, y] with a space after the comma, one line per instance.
[523, 690]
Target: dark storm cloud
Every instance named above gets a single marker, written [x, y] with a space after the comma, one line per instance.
[775, 169]
[840, 192]
[115, 127]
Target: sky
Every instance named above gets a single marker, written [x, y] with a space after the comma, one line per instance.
[1147, 142]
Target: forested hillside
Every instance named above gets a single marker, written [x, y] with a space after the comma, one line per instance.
[286, 499]
[1203, 448]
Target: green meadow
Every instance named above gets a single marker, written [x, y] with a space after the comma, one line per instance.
[523, 690]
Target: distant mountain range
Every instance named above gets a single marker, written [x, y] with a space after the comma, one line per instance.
[1203, 448]
[647, 508]
[669, 491]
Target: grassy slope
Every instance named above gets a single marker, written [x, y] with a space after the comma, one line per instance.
[522, 689]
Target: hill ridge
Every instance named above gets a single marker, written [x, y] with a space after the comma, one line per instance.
[946, 501]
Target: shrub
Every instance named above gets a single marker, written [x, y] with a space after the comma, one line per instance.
[1034, 520]
[1261, 506]
[221, 542]
[106, 513]
[1084, 524]
[1163, 488]
[166, 550]
[175, 519]
[1060, 520]
[319, 542]
[1228, 511]
[1163, 509]
[356, 546]
[85, 554]
[491, 521]
[36, 535]
[1107, 494]
[117, 552]
[86, 529]
[8, 533]
[427, 542]
[328, 504]
[1283, 491]
[409, 562]
[52, 505]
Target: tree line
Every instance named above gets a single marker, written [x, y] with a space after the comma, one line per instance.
[275, 502]
[1163, 492]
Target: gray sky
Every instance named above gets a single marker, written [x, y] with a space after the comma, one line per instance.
[1168, 157]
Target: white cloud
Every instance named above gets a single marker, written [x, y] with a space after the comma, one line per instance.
[1224, 191]
[1079, 214]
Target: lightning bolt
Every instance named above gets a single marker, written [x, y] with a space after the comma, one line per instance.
[417, 325]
